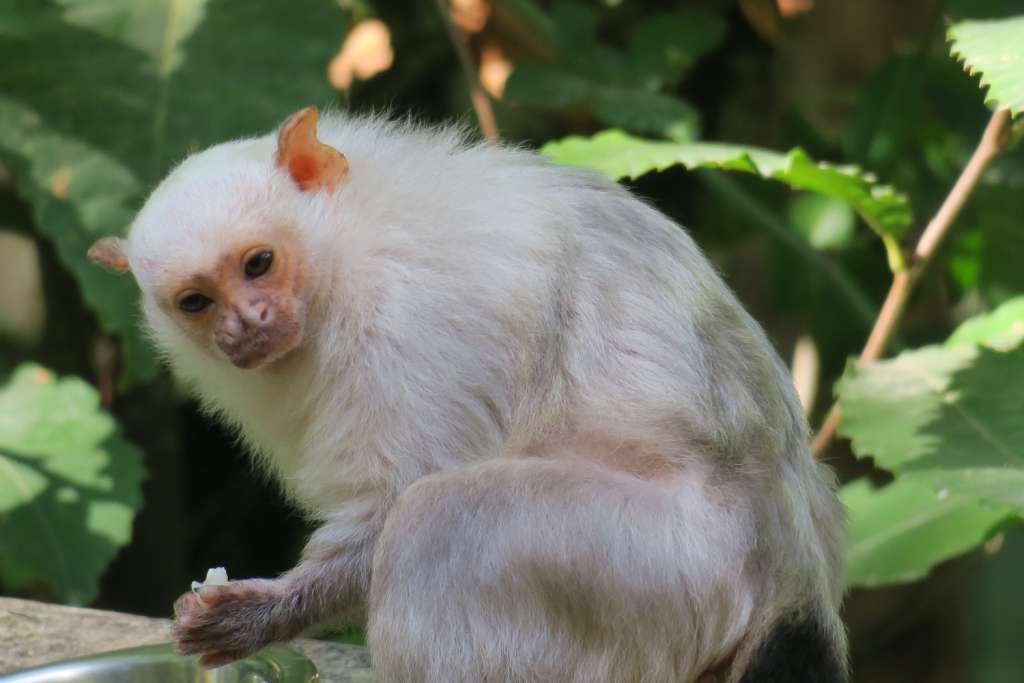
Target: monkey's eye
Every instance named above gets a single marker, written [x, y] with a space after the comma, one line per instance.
[194, 302]
[258, 264]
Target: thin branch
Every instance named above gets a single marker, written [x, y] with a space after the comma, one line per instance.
[993, 141]
[481, 102]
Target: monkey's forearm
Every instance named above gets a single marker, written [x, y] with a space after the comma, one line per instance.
[229, 622]
[328, 589]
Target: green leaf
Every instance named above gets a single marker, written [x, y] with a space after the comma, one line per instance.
[99, 100]
[69, 485]
[619, 155]
[994, 48]
[826, 223]
[1001, 329]
[945, 416]
[897, 533]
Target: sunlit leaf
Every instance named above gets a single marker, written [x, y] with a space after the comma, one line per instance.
[947, 420]
[1003, 328]
[620, 155]
[947, 416]
[897, 533]
[994, 48]
[69, 485]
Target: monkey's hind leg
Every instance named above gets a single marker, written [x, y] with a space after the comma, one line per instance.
[530, 569]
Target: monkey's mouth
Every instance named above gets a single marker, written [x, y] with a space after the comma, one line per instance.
[245, 356]
[248, 360]
[255, 350]
[256, 346]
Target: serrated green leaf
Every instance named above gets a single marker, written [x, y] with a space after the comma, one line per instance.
[69, 485]
[948, 417]
[897, 533]
[994, 48]
[620, 155]
[99, 100]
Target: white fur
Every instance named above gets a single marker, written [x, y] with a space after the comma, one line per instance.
[474, 303]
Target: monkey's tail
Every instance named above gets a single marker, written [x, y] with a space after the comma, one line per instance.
[798, 649]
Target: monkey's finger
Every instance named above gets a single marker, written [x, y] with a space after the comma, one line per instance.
[188, 602]
[210, 596]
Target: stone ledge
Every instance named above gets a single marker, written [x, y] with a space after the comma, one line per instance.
[34, 633]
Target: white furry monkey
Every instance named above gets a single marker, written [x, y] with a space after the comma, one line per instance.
[542, 439]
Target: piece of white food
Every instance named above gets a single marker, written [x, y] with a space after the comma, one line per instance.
[215, 576]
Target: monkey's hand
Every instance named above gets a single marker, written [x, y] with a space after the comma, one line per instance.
[228, 622]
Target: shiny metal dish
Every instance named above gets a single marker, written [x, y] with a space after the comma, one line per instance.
[159, 664]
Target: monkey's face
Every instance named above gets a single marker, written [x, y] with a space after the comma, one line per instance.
[248, 305]
[217, 248]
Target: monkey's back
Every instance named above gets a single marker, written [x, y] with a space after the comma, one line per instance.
[590, 325]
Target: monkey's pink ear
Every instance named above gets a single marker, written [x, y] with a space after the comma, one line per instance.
[311, 163]
[109, 252]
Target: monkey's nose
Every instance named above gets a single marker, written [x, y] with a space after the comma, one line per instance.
[257, 313]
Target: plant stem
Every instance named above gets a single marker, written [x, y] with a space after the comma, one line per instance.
[993, 140]
[481, 102]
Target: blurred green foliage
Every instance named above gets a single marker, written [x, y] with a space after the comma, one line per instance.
[69, 485]
[860, 114]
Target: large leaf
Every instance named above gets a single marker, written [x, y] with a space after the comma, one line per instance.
[899, 532]
[69, 485]
[620, 155]
[98, 100]
[994, 48]
[946, 416]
